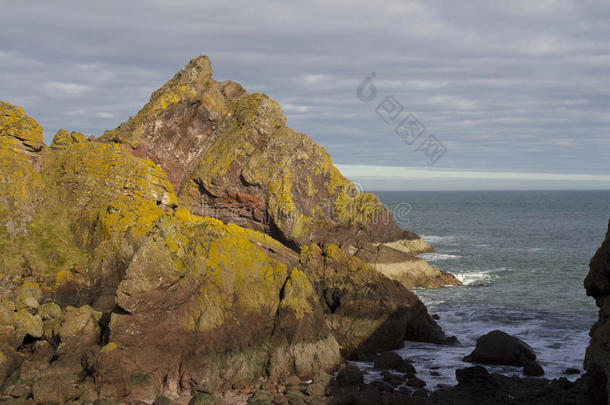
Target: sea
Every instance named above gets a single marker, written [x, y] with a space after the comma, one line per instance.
[522, 257]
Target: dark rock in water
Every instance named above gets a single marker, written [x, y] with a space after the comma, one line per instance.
[435, 373]
[571, 371]
[498, 347]
[436, 317]
[381, 386]
[416, 382]
[477, 375]
[532, 369]
[421, 393]
[407, 367]
[394, 379]
[478, 387]
[597, 358]
[349, 375]
[388, 361]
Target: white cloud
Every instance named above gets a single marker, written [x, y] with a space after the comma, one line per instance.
[416, 173]
[65, 88]
[515, 86]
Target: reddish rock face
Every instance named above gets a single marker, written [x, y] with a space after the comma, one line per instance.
[229, 155]
[173, 126]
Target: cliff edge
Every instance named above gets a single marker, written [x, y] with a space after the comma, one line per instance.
[111, 287]
[597, 358]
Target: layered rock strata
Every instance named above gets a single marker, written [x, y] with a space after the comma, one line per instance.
[230, 155]
[112, 288]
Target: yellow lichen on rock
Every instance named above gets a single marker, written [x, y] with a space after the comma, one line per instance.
[92, 174]
[233, 266]
[15, 123]
[298, 293]
[63, 138]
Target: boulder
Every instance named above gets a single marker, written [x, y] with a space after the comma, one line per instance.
[392, 378]
[349, 375]
[388, 361]
[498, 347]
[415, 382]
[477, 375]
[597, 357]
[532, 369]
[477, 386]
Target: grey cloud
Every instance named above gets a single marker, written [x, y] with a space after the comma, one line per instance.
[518, 85]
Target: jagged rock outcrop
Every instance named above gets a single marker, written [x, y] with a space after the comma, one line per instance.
[110, 288]
[597, 358]
[366, 311]
[230, 155]
[408, 270]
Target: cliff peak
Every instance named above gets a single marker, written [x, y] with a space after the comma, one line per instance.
[230, 155]
[199, 65]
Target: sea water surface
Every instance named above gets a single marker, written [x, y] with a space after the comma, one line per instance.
[522, 256]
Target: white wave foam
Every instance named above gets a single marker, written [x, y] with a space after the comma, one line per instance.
[476, 278]
[432, 257]
[437, 239]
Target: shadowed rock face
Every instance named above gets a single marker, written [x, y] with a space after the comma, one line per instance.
[597, 359]
[110, 288]
[497, 347]
[366, 311]
[230, 155]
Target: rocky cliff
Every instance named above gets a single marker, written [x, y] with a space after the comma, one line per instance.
[116, 280]
[230, 155]
[597, 359]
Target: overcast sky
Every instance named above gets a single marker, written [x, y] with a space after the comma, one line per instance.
[519, 87]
